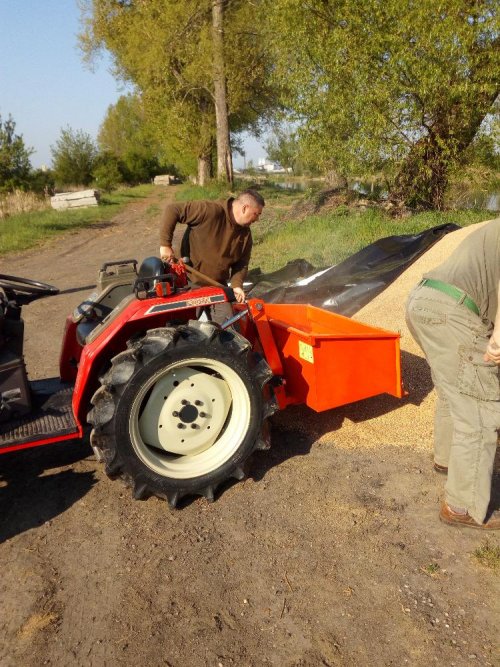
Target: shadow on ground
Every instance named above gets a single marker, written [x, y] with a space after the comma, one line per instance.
[297, 428]
[29, 496]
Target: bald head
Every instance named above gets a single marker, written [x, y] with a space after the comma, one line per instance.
[251, 197]
[247, 207]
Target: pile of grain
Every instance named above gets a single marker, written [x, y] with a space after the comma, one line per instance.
[387, 310]
[410, 422]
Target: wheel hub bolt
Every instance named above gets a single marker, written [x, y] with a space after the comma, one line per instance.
[180, 425]
[175, 413]
[184, 402]
[194, 426]
[203, 414]
[198, 402]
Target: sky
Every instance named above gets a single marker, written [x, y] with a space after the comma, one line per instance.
[44, 84]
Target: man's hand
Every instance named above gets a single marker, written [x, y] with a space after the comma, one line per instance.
[167, 253]
[239, 294]
[492, 351]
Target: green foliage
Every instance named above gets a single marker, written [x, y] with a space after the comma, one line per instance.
[124, 128]
[165, 48]
[106, 172]
[41, 181]
[488, 555]
[215, 190]
[398, 87]
[14, 157]
[432, 569]
[484, 151]
[137, 167]
[74, 156]
[127, 134]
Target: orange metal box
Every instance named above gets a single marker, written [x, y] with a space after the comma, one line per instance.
[330, 360]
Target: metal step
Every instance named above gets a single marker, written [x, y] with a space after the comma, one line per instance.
[52, 415]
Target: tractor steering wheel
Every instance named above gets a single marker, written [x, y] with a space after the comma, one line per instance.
[24, 289]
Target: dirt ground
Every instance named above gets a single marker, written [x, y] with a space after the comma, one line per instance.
[330, 553]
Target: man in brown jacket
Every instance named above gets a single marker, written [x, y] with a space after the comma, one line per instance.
[220, 240]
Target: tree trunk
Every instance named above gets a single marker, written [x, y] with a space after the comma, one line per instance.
[422, 180]
[423, 177]
[224, 156]
[335, 180]
[204, 169]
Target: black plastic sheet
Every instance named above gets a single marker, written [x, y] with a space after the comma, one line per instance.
[346, 287]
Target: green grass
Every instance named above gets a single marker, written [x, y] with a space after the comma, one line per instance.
[195, 192]
[328, 238]
[488, 555]
[26, 230]
[432, 569]
[152, 210]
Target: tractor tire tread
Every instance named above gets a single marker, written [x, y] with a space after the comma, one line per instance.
[207, 338]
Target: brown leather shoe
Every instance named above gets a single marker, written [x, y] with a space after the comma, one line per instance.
[441, 469]
[455, 519]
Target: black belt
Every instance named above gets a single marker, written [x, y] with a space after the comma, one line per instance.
[455, 293]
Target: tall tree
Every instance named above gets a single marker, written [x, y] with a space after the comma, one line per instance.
[14, 156]
[397, 86]
[167, 49]
[125, 128]
[127, 134]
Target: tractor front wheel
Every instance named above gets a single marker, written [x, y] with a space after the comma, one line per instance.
[181, 410]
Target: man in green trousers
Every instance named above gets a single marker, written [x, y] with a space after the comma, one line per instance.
[453, 316]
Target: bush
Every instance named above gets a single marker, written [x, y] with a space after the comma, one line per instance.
[14, 157]
[107, 172]
[139, 168]
[74, 157]
[41, 181]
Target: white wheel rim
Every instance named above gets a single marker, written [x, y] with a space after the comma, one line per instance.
[202, 392]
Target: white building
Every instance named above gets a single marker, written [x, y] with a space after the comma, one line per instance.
[271, 167]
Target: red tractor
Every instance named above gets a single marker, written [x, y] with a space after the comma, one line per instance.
[177, 403]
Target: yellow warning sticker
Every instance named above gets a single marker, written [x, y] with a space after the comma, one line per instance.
[306, 352]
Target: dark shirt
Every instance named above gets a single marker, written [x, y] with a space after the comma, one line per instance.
[219, 247]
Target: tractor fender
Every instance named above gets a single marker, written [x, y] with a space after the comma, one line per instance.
[130, 319]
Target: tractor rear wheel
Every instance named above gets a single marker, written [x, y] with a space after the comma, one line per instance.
[181, 410]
